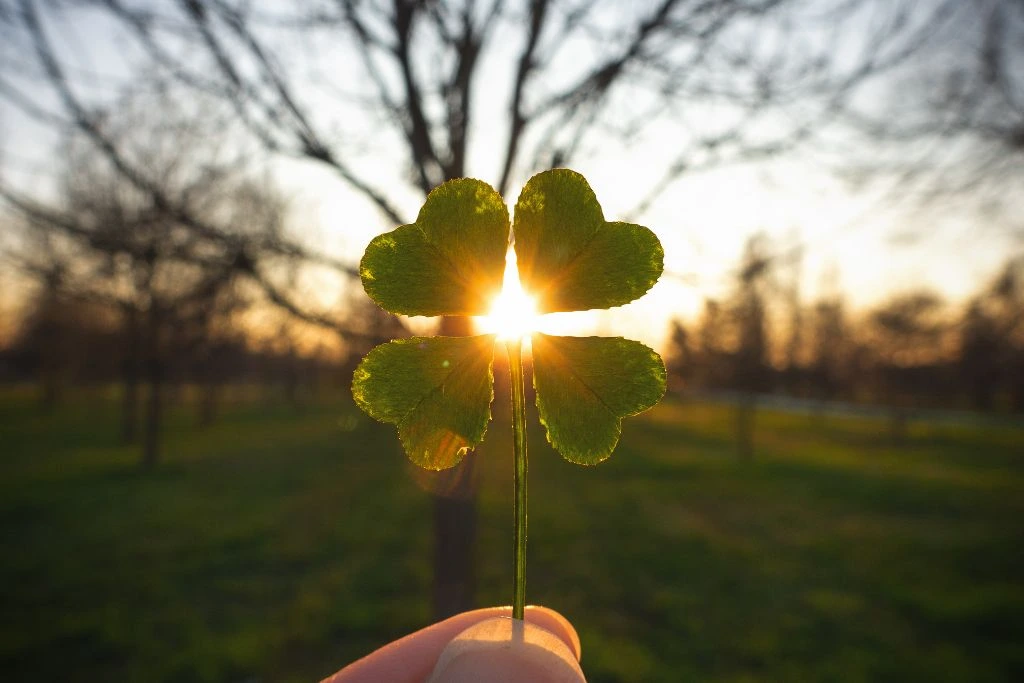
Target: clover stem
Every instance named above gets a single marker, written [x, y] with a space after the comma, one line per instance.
[515, 364]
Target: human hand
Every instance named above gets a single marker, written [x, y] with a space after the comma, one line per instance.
[481, 646]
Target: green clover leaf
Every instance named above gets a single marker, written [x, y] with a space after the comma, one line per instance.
[569, 257]
[438, 390]
[446, 263]
[586, 385]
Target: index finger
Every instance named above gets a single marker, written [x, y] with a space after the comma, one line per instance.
[411, 659]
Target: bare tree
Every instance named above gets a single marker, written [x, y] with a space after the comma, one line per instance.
[445, 89]
[946, 130]
[982, 354]
[45, 328]
[680, 358]
[991, 354]
[830, 342]
[713, 347]
[166, 279]
[794, 352]
[908, 331]
[751, 369]
[418, 68]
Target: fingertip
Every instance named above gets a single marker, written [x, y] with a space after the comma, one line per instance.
[553, 621]
[411, 658]
[503, 650]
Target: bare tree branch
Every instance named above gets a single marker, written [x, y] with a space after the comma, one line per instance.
[524, 68]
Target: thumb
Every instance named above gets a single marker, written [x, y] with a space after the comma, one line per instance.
[504, 650]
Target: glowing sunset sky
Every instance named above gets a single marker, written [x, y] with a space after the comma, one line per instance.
[703, 220]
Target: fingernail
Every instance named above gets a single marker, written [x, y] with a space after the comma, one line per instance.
[504, 650]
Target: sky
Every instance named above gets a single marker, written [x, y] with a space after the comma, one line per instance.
[847, 238]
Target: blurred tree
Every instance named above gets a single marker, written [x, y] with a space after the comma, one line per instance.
[215, 362]
[908, 330]
[794, 374]
[947, 128]
[44, 332]
[751, 369]
[982, 355]
[680, 359]
[376, 325]
[712, 346]
[168, 280]
[63, 342]
[830, 346]
[546, 79]
[991, 354]
[448, 89]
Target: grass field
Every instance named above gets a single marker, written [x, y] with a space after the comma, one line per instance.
[282, 543]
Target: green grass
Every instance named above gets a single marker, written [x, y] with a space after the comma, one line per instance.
[282, 543]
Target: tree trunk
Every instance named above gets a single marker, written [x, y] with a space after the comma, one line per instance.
[455, 523]
[898, 424]
[983, 398]
[130, 377]
[154, 407]
[1017, 386]
[130, 407]
[51, 369]
[154, 413]
[745, 410]
[210, 385]
[53, 347]
[208, 402]
[51, 393]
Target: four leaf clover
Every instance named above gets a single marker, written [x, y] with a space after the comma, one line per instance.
[438, 390]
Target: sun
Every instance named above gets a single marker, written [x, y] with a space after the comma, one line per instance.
[513, 313]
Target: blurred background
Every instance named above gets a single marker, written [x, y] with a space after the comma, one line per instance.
[833, 489]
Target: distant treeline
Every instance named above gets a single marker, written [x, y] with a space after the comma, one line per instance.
[914, 350]
[156, 354]
[63, 345]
